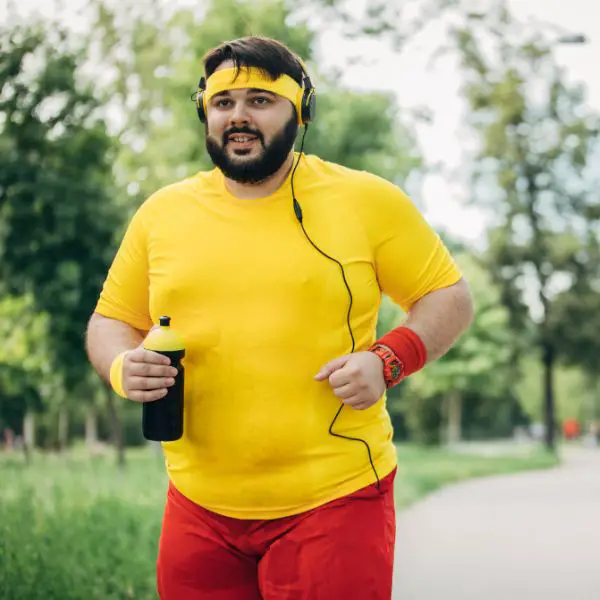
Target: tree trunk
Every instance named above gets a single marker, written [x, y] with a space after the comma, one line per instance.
[548, 359]
[115, 428]
[28, 435]
[29, 429]
[593, 427]
[595, 401]
[454, 432]
[91, 427]
[63, 429]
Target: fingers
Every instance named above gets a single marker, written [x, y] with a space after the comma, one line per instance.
[350, 395]
[146, 396]
[150, 383]
[356, 396]
[331, 367]
[341, 377]
[149, 370]
[345, 391]
[147, 375]
[357, 402]
[361, 405]
[141, 355]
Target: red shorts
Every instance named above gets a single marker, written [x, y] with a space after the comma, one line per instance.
[343, 550]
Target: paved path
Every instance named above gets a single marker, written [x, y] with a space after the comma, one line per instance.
[530, 536]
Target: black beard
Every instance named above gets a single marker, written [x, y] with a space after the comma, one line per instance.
[261, 168]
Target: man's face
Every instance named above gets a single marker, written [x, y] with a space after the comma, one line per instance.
[249, 132]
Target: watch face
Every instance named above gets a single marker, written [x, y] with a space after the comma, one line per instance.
[395, 369]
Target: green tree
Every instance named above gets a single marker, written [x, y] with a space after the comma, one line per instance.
[577, 321]
[26, 375]
[536, 145]
[577, 311]
[57, 220]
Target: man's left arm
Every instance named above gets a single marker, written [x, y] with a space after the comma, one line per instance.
[433, 325]
[418, 273]
[441, 317]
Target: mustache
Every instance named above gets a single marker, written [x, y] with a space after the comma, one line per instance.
[242, 130]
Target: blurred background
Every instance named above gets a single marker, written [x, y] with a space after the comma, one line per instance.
[486, 112]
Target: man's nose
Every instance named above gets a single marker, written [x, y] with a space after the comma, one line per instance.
[239, 115]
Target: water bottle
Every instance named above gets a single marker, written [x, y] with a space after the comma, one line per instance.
[162, 420]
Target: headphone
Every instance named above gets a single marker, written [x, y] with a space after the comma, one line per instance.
[306, 110]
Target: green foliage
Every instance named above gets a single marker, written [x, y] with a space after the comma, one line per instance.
[79, 528]
[24, 336]
[39, 559]
[575, 391]
[57, 223]
[25, 372]
[363, 131]
[423, 414]
[576, 313]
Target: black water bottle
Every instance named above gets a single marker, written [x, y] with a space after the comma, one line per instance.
[162, 420]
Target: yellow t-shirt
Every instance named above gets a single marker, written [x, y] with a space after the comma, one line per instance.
[261, 311]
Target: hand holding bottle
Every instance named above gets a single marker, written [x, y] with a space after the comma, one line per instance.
[147, 375]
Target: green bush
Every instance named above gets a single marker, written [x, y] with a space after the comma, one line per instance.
[424, 418]
[104, 551]
[78, 528]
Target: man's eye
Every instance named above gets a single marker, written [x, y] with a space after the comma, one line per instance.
[223, 102]
[261, 100]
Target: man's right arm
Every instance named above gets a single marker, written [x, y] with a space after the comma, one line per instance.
[146, 374]
[106, 338]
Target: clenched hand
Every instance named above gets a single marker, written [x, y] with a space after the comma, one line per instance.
[357, 379]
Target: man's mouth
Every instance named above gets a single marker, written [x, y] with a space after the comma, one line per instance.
[241, 139]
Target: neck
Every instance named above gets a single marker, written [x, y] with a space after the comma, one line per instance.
[253, 191]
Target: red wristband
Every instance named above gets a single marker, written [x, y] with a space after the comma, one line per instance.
[408, 347]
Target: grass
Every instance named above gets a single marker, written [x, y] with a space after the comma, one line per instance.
[75, 528]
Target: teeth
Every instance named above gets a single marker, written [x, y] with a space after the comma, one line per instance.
[242, 139]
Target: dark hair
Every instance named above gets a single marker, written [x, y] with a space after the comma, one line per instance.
[269, 55]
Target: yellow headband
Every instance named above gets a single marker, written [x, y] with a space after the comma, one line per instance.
[252, 77]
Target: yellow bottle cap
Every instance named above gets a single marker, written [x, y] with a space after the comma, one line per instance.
[164, 339]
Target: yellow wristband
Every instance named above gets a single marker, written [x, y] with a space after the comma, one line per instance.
[116, 374]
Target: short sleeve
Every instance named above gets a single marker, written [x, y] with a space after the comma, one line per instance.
[125, 293]
[410, 257]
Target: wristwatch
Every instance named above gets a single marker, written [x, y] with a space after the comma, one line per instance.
[393, 368]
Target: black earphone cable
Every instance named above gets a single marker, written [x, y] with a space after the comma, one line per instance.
[299, 217]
